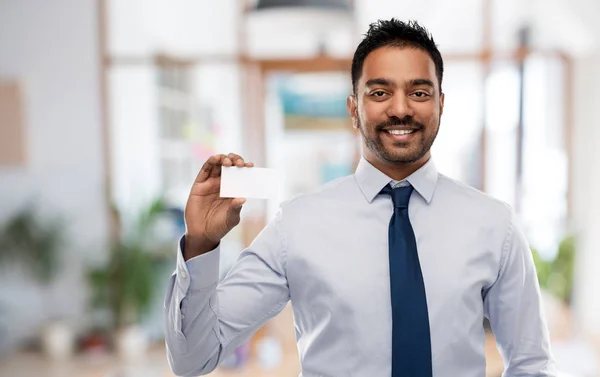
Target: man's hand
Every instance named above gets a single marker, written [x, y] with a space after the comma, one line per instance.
[208, 217]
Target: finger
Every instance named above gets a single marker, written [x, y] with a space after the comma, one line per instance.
[227, 162]
[208, 167]
[236, 159]
[216, 171]
[212, 187]
[249, 164]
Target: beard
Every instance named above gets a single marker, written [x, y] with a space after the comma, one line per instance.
[399, 153]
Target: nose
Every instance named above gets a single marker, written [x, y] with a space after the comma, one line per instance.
[400, 106]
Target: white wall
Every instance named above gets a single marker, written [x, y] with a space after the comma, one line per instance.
[586, 185]
[182, 27]
[134, 144]
[457, 26]
[219, 87]
[52, 48]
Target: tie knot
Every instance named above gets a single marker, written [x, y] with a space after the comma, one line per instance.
[400, 195]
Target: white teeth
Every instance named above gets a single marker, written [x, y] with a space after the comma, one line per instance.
[400, 132]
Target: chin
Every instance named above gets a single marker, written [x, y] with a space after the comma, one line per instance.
[402, 157]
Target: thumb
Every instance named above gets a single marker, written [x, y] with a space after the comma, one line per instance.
[237, 203]
[233, 214]
[235, 207]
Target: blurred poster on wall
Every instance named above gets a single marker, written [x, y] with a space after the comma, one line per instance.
[12, 125]
[311, 138]
[315, 101]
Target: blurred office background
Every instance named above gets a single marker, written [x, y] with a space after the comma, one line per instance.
[109, 107]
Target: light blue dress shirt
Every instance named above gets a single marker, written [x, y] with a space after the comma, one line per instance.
[327, 252]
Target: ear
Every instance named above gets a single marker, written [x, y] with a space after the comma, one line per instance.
[352, 108]
[442, 96]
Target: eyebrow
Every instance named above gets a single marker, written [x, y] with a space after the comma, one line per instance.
[386, 82]
[420, 82]
[380, 81]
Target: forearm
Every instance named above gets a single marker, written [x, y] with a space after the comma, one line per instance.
[205, 320]
[525, 340]
[191, 323]
[515, 309]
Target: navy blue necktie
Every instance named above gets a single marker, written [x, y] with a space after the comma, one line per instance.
[411, 341]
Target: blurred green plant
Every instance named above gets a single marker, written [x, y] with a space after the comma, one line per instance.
[33, 243]
[125, 284]
[556, 275]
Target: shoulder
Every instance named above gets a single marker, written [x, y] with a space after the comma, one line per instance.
[493, 219]
[470, 200]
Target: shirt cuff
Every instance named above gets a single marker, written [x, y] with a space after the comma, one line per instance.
[200, 272]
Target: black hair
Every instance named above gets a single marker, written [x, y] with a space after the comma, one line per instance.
[397, 34]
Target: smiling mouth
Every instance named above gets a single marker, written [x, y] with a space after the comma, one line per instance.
[400, 136]
[400, 132]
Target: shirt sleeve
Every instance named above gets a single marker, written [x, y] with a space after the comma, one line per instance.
[514, 307]
[206, 320]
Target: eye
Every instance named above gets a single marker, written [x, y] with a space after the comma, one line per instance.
[379, 94]
[420, 94]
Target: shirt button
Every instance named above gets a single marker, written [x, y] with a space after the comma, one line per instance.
[183, 274]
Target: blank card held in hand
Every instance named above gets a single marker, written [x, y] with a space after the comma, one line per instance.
[258, 183]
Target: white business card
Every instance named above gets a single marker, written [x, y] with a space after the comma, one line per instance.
[258, 183]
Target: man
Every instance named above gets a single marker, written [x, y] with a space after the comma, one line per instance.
[390, 271]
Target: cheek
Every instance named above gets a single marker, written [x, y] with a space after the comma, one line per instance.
[428, 114]
[372, 113]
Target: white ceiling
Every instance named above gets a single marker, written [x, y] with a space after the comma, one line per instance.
[191, 27]
[457, 26]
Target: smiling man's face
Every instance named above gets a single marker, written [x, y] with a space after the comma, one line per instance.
[397, 106]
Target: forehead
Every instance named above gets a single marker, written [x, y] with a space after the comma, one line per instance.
[400, 64]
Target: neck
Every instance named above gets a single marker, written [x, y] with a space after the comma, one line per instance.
[398, 171]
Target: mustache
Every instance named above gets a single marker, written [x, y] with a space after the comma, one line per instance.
[395, 121]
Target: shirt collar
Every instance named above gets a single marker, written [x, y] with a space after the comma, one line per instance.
[371, 180]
